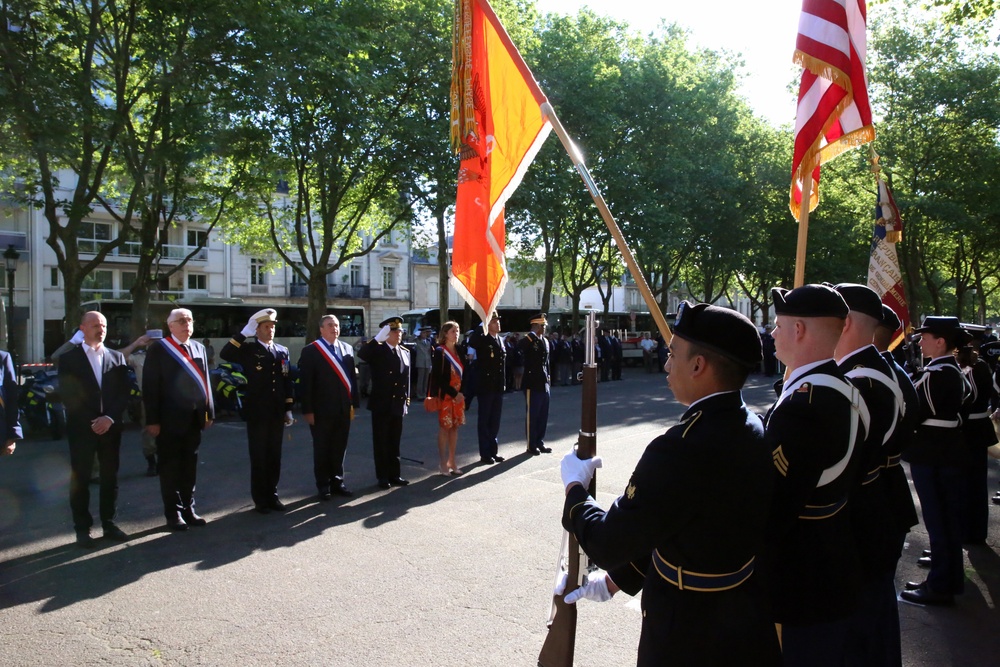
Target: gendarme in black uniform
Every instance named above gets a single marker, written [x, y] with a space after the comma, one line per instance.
[490, 384]
[389, 400]
[536, 383]
[979, 435]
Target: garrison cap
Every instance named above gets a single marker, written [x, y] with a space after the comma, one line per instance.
[861, 299]
[809, 301]
[392, 322]
[890, 320]
[721, 330]
[265, 315]
[948, 328]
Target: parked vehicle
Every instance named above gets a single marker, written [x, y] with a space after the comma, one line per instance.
[41, 406]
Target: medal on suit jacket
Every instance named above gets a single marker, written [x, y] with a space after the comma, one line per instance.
[332, 360]
[455, 363]
[192, 369]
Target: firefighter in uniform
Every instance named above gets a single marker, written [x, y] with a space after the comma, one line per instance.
[814, 430]
[390, 398]
[268, 403]
[689, 527]
[537, 384]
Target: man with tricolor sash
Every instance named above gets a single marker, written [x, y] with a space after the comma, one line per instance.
[329, 398]
[178, 399]
[267, 403]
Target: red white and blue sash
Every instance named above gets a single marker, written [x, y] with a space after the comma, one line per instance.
[455, 363]
[192, 369]
[334, 364]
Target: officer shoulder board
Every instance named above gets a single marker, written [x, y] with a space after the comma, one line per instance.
[859, 415]
[890, 383]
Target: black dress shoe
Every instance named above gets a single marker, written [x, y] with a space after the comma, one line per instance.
[913, 585]
[924, 561]
[924, 596]
[996, 499]
[113, 532]
[499, 459]
[84, 540]
[533, 452]
[544, 449]
[261, 508]
[344, 491]
[487, 460]
[192, 519]
[276, 505]
[384, 484]
[177, 524]
[324, 494]
[398, 481]
[926, 553]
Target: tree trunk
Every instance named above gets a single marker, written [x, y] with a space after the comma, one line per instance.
[316, 305]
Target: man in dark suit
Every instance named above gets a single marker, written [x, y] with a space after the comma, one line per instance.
[537, 384]
[390, 398]
[179, 406]
[490, 356]
[267, 403]
[10, 426]
[94, 385]
[329, 397]
[604, 347]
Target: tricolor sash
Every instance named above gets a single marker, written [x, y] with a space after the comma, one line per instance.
[455, 363]
[334, 364]
[187, 363]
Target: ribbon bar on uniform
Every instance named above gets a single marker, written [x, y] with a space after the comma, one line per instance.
[696, 581]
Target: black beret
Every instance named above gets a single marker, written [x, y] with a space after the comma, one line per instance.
[890, 320]
[809, 301]
[861, 299]
[392, 322]
[720, 330]
[948, 328]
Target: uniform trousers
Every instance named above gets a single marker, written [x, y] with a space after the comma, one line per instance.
[329, 448]
[874, 640]
[488, 422]
[264, 440]
[979, 436]
[537, 416]
[178, 454]
[817, 645]
[82, 451]
[387, 429]
[942, 501]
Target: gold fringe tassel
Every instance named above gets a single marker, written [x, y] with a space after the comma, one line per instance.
[463, 116]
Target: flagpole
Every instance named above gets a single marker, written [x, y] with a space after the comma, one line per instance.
[609, 220]
[800, 250]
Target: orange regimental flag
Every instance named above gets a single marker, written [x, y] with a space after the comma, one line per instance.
[497, 127]
[833, 112]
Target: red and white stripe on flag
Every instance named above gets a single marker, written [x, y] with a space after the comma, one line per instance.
[833, 112]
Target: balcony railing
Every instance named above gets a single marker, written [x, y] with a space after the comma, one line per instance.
[132, 249]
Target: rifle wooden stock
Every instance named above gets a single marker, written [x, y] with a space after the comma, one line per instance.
[560, 642]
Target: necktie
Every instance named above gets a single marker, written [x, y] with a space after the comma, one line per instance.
[187, 350]
[270, 348]
[336, 353]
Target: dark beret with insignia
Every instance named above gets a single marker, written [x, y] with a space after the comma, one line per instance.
[809, 301]
[890, 320]
[721, 330]
[948, 328]
[392, 322]
[861, 299]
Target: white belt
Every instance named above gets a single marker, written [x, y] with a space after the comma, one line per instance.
[943, 423]
[980, 415]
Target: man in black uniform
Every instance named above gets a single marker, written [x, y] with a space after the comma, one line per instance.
[267, 405]
[979, 436]
[813, 430]
[390, 398]
[329, 397]
[537, 383]
[874, 638]
[690, 525]
[937, 459]
[95, 388]
[490, 358]
[179, 406]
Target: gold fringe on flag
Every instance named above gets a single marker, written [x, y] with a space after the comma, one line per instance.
[463, 116]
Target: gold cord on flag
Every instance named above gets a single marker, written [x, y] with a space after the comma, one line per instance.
[463, 115]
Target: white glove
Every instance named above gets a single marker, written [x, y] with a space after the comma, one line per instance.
[382, 334]
[595, 588]
[77, 338]
[575, 469]
[250, 329]
[289, 419]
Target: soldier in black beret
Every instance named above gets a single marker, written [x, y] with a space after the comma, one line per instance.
[689, 528]
[814, 430]
[390, 398]
[937, 459]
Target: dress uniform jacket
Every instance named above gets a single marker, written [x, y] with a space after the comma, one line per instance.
[268, 393]
[979, 435]
[942, 389]
[491, 361]
[812, 556]
[10, 426]
[390, 370]
[537, 375]
[893, 476]
[698, 501]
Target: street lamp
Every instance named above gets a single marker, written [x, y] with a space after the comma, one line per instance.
[10, 257]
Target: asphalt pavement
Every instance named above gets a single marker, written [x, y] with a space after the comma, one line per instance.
[447, 571]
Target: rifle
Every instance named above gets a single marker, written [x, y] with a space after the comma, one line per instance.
[560, 642]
